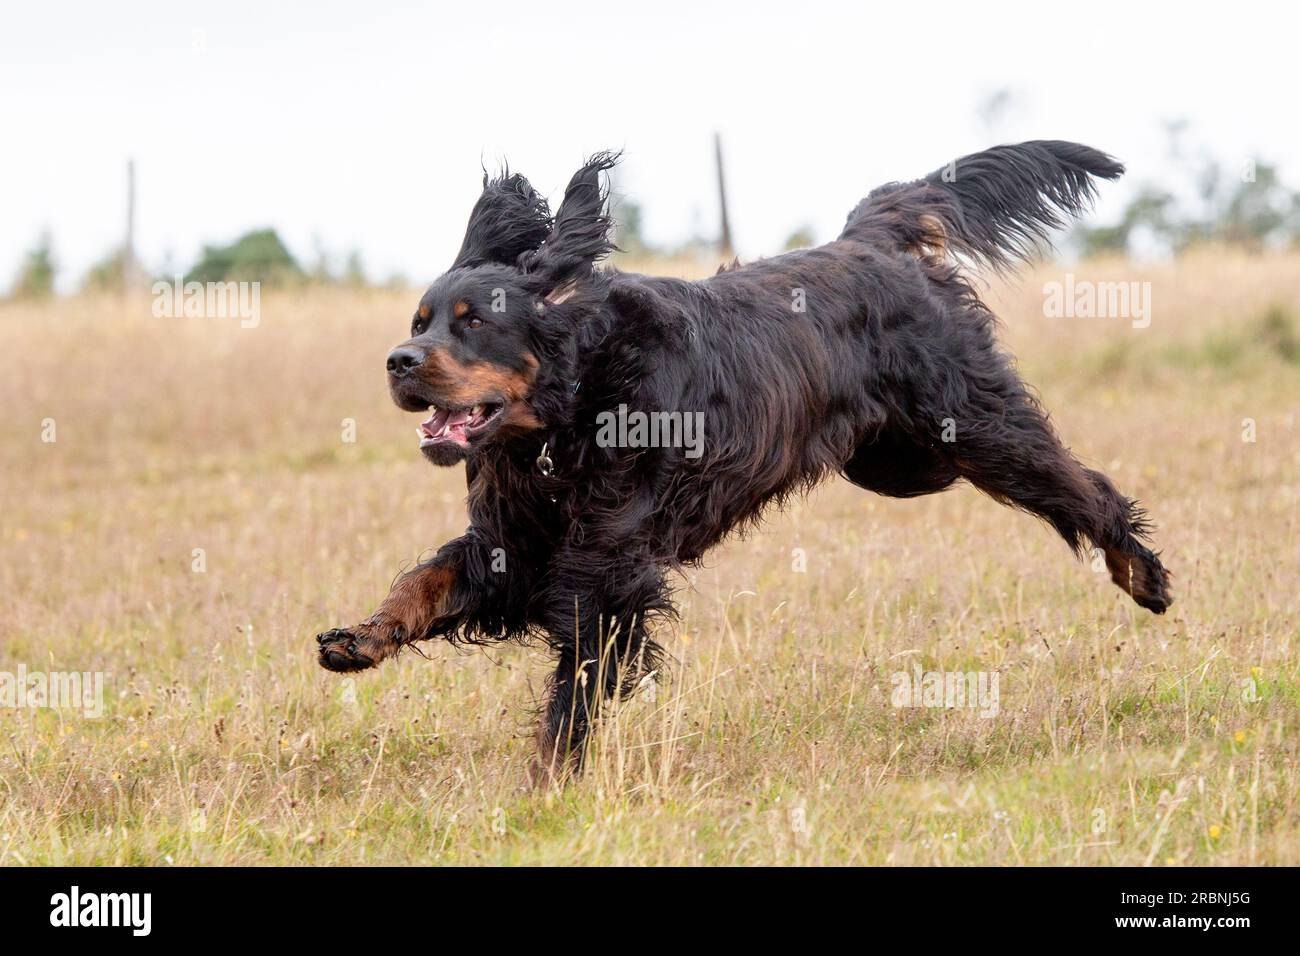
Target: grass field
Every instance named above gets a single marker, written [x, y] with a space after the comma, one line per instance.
[1121, 738]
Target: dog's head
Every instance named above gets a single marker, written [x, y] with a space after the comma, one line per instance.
[474, 356]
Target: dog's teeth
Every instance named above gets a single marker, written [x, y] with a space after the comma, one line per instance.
[478, 411]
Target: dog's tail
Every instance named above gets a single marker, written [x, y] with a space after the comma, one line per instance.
[995, 207]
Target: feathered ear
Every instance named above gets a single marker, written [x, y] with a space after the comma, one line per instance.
[508, 220]
[580, 234]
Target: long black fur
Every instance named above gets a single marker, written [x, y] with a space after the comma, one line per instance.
[509, 219]
[861, 357]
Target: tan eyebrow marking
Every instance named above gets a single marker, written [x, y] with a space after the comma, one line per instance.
[424, 311]
[460, 309]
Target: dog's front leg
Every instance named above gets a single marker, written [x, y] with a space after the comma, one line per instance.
[424, 601]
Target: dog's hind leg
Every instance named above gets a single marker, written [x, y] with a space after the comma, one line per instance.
[1014, 455]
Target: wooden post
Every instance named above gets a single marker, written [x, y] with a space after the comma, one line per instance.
[129, 269]
[725, 247]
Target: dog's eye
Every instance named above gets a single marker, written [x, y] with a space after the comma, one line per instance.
[473, 322]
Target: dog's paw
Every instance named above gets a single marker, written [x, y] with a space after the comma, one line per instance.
[340, 650]
[1145, 579]
[547, 776]
[356, 648]
[1152, 587]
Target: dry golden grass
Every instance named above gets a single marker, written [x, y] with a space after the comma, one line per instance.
[1122, 738]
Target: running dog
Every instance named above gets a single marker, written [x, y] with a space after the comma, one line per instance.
[871, 357]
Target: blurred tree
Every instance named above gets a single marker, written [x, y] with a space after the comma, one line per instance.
[106, 275]
[1260, 211]
[628, 224]
[629, 219]
[258, 256]
[35, 279]
[354, 273]
[801, 238]
[320, 271]
[1254, 209]
[1151, 210]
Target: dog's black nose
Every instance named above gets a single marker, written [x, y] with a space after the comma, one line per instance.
[402, 360]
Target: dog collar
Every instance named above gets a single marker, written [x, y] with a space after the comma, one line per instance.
[544, 463]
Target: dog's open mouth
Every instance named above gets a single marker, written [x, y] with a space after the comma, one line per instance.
[457, 426]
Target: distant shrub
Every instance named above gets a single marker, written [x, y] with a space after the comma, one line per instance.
[1271, 336]
[354, 272]
[1223, 351]
[258, 256]
[1249, 206]
[628, 232]
[106, 275]
[801, 238]
[1276, 330]
[35, 279]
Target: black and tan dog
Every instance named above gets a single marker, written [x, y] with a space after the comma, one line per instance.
[871, 356]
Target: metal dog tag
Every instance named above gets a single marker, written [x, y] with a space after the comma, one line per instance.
[544, 463]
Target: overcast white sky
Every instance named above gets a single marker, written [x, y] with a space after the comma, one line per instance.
[363, 124]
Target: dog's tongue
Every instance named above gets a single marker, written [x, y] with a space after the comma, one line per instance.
[446, 425]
